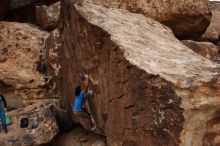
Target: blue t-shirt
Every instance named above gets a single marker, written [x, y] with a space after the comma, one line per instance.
[77, 107]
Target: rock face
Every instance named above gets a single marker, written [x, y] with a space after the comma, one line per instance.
[148, 92]
[187, 19]
[53, 54]
[206, 49]
[213, 30]
[41, 118]
[47, 17]
[20, 48]
[53, 59]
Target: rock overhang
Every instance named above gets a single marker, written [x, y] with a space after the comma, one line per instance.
[150, 45]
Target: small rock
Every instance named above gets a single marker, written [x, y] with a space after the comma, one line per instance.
[206, 49]
[47, 16]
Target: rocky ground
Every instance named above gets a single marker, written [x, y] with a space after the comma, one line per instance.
[78, 137]
[42, 124]
[154, 65]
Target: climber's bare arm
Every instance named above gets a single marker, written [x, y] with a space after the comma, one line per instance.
[86, 84]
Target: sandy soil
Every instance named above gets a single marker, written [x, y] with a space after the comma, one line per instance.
[78, 137]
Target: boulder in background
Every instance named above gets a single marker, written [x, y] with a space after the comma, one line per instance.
[47, 16]
[21, 60]
[188, 19]
[213, 31]
[206, 49]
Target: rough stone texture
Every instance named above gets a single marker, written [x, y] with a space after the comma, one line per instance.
[187, 18]
[213, 30]
[20, 48]
[151, 90]
[53, 54]
[47, 17]
[206, 49]
[41, 114]
[4, 4]
[53, 62]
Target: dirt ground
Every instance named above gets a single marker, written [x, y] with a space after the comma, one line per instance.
[78, 137]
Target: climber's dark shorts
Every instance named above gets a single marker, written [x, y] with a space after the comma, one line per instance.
[82, 114]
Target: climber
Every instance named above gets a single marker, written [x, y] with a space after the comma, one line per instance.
[81, 94]
[3, 108]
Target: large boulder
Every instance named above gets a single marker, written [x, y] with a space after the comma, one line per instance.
[42, 125]
[21, 59]
[213, 30]
[150, 89]
[206, 49]
[47, 16]
[186, 18]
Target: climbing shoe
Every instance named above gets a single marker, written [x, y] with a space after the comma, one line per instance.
[93, 128]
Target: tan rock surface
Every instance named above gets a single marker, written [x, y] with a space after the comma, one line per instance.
[213, 30]
[187, 18]
[47, 16]
[20, 48]
[40, 115]
[53, 52]
[206, 49]
[151, 90]
[53, 62]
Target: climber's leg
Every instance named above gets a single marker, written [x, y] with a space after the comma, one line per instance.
[3, 120]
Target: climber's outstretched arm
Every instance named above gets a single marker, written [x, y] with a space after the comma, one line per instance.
[86, 83]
